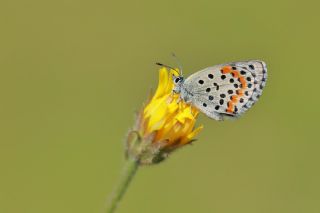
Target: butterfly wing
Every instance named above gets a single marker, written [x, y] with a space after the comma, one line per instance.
[227, 89]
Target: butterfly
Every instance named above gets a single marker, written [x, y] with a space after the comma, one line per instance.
[225, 90]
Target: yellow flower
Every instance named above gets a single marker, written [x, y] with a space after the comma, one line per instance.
[163, 125]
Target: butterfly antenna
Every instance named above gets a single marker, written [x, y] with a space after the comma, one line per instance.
[178, 62]
[163, 65]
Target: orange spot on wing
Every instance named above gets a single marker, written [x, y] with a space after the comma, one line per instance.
[230, 107]
[234, 98]
[240, 92]
[243, 82]
[226, 69]
[235, 73]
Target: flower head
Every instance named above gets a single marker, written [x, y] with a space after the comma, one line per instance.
[163, 125]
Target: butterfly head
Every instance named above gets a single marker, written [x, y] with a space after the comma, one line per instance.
[178, 83]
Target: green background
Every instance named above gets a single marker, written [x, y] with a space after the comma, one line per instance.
[72, 74]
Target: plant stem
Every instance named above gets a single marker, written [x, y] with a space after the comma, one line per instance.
[130, 169]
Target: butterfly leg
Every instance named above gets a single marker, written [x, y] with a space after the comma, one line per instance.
[193, 114]
[179, 99]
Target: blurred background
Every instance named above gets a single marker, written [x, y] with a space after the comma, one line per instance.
[72, 74]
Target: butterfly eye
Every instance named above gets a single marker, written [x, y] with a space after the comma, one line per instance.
[177, 80]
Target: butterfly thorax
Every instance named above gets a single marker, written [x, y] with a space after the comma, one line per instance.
[180, 88]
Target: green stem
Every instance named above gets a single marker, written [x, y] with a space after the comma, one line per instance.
[130, 169]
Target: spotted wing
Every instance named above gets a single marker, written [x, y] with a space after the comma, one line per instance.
[227, 89]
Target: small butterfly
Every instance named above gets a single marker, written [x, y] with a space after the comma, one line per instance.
[225, 90]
